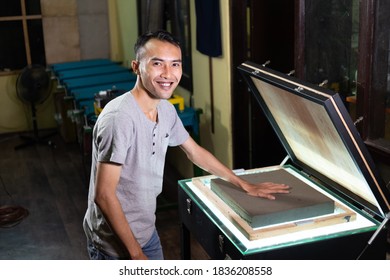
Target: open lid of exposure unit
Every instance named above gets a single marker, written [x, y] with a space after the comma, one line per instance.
[319, 136]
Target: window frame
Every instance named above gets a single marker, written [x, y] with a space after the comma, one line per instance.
[24, 18]
[370, 89]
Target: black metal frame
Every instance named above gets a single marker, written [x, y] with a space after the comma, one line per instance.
[341, 120]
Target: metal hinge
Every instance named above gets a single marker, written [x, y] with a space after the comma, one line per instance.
[189, 205]
[285, 160]
[221, 243]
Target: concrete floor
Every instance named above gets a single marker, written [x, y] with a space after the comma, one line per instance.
[51, 185]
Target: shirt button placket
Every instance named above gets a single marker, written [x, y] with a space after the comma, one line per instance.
[154, 140]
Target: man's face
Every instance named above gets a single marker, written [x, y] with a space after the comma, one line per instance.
[160, 68]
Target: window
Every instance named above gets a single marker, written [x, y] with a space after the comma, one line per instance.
[331, 45]
[22, 34]
[347, 44]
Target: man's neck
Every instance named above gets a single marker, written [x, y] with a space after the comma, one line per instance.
[147, 104]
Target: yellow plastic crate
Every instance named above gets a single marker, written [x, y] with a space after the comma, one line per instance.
[177, 100]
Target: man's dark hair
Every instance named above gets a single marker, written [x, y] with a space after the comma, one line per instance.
[161, 35]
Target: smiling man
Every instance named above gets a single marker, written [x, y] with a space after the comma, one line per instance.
[130, 140]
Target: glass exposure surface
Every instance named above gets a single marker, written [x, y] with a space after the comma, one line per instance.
[246, 246]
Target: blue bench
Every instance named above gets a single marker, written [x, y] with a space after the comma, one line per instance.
[89, 92]
[63, 66]
[77, 83]
[85, 97]
[91, 71]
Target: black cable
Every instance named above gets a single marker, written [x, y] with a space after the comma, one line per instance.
[11, 215]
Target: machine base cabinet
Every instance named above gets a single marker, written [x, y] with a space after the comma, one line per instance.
[196, 221]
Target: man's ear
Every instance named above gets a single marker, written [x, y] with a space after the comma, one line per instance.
[135, 66]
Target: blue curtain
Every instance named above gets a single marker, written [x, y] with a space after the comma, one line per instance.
[208, 27]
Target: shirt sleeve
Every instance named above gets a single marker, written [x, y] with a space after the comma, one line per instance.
[113, 139]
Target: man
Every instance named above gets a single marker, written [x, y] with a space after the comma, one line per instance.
[130, 140]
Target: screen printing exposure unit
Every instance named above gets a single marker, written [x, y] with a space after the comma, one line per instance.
[337, 205]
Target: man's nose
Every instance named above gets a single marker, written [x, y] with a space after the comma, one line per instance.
[167, 72]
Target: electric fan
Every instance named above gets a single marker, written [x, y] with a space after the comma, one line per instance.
[33, 86]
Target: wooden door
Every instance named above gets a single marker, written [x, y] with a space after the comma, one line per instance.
[261, 31]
